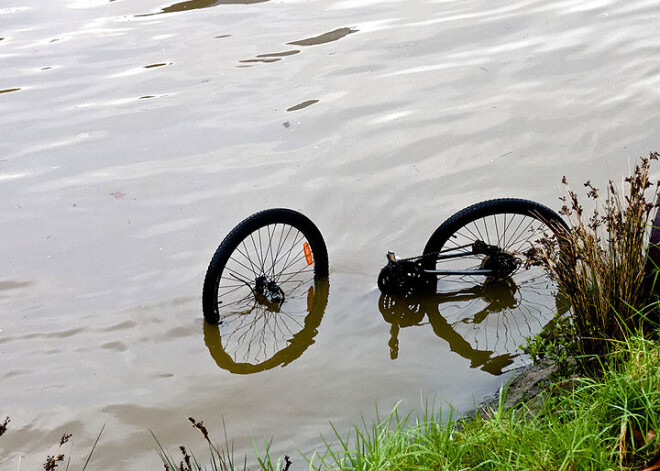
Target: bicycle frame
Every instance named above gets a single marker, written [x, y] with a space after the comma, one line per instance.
[457, 272]
[478, 249]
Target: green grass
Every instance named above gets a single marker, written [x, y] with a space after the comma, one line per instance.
[608, 423]
[581, 424]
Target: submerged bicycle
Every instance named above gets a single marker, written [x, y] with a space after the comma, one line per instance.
[273, 266]
[480, 244]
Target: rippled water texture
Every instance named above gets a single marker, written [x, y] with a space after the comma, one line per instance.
[135, 135]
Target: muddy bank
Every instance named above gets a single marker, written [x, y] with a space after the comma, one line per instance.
[524, 386]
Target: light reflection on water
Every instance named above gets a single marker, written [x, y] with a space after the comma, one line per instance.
[378, 121]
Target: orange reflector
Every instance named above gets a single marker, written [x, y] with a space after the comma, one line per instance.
[308, 253]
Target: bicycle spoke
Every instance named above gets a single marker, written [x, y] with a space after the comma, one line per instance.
[288, 262]
[245, 252]
[518, 235]
[280, 247]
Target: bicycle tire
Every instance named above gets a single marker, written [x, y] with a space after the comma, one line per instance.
[242, 258]
[509, 223]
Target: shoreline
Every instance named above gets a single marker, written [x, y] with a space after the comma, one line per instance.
[525, 385]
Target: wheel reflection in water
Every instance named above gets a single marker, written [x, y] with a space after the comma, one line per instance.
[485, 324]
[258, 338]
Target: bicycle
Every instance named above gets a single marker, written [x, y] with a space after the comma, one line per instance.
[273, 265]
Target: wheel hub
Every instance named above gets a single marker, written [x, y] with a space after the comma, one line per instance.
[268, 292]
[502, 264]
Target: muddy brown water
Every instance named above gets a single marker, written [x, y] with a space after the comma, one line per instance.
[135, 135]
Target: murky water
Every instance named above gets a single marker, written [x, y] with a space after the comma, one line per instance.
[135, 135]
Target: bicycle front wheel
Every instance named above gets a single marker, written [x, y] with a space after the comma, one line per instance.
[511, 225]
[266, 266]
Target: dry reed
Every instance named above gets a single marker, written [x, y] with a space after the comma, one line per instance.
[602, 263]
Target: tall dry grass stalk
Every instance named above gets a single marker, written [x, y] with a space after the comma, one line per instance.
[602, 264]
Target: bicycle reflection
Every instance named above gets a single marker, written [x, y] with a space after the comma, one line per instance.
[484, 324]
[261, 338]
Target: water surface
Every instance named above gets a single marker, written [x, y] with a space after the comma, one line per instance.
[135, 135]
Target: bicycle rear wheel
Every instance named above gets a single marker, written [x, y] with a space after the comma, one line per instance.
[266, 266]
[512, 225]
